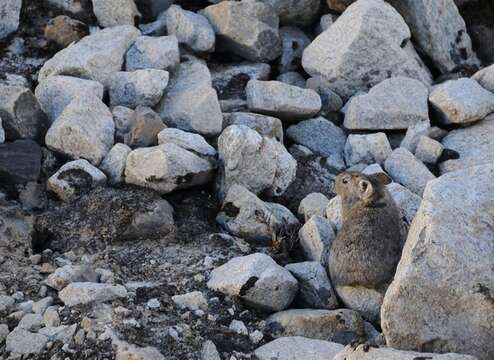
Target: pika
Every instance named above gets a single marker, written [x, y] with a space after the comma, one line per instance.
[368, 246]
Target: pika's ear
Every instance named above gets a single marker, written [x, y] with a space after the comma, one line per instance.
[382, 178]
[366, 188]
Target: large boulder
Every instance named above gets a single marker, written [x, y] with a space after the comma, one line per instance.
[9, 21]
[449, 246]
[190, 102]
[297, 347]
[96, 57]
[257, 280]
[474, 144]
[245, 215]
[367, 44]
[393, 104]
[21, 113]
[20, 162]
[165, 168]
[440, 32]
[84, 130]
[246, 28]
[257, 162]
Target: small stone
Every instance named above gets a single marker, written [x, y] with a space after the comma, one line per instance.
[51, 317]
[188, 141]
[293, 42]
[144, 131]
[149, 52]
[407, 170]
[263, 124]
[11, 12]
[313, 204]
[325, 22]
[113, 165]
[257, 280]
[63, 30]
[287, 102]
[428, 150]
[191, 29]
[239, 327]
[485, 77]
[31, 322]
[86, 293]
[297, 347]
[139, 87]
[316, 237]
[209, 351]
[367, 149]
[413, 134]
[35, 259]
[193, 301]
[153, 304]
[74, 179]
[23, 342]
[256, 336]
[461, 101]
[116, 12]
[40, 306]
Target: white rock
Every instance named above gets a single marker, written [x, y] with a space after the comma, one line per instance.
[209, 351]
[115, 12]
[333, 212]
[113, 165]
[74, 179]
[256, 336]
[96, 57]
[51, 317]
[9, 21]
[31, 322]
[485, 77]
[56, 92]
[407, 201]
[367, 149]
[313, 204]
[256, 162]
[87, 292]
[316, 237]
[367, 44]
[239, 327]
[461, 101]
[124, 119]
[244, 215]
[393, 104]
[139, 87]
[297, 347]
[190, 102]
[406, 169]
[257, 280]
[191, 29]
[85, 129]
[149, 52]
[40, 306]
[263, 124]
[281, 100]
[194, 300]
[166, 168]
[428, 150]
[23, 342]
[474, 144]
[188, 141]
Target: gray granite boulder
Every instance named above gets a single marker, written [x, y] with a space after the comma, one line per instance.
[315, 239]
[297, 347]
[9, 21]
[367, 149]
[113, 165]
[312, 204]
[115, 12]
[428, 150]
[150, 52]
[263, 124]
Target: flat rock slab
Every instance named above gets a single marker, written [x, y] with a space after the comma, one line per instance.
[297, 347]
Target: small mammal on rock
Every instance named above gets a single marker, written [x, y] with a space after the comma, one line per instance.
[368, 247]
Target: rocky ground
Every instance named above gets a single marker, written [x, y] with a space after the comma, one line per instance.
[167, 177]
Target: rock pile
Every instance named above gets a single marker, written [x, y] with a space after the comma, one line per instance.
[167, 178]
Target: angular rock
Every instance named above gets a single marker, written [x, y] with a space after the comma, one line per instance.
[21, 113]
[256, 162]
[63, 333]
[315, 289]
[144, 131]
[485, 78]
[287, 102]
[92, 219]
[367, 302]
[20, 162]
[96, 57]
[116, 12]
[124, 119]
[474, 144]
[248, 29]
[428, 150]
[449, 246]
[67, 274]
[293, 43]
[85, 129]
[56, 92]
[439, 31]
[315, 239]
[407, 170]
[165, 168]
[312, 204]
[86, 293]
[188, 141]
[366, 45]
[295, 12]
[257, 280]
[367, 149]
[393, 104]
[461, 101]
[321, 136]
[265, 125]
[51, 317]
[325, 22]
[361, 352]
[341, 326]
[23, 342]
[63, 31]
[244, 215]
[407, 201]
[209, 351]
[113, 165]
[9, 21]
[31, 322]
[149, 52]
[140, 87]
[331, 101]
[74, 179]
[190, 102]
[297, 347]
[191, 29]
[194, 300]
[333, 212]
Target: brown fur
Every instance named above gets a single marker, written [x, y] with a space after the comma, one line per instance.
[367, 249]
